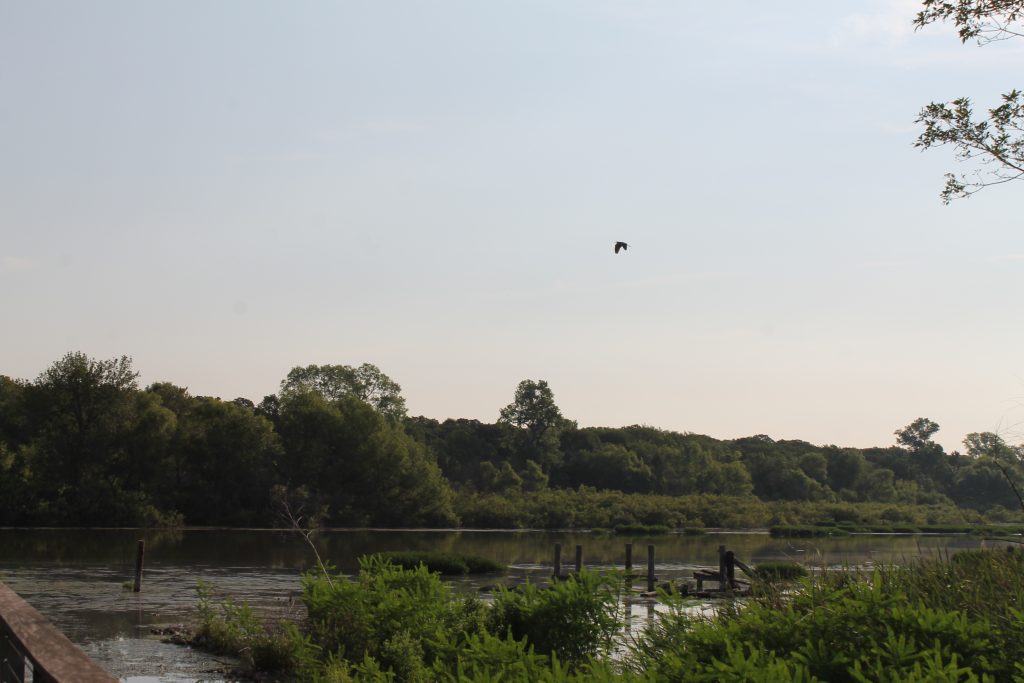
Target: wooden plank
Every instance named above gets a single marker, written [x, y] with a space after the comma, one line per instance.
[55, 659]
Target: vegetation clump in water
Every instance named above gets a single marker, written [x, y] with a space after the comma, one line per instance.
[783, 571]
[449, 564]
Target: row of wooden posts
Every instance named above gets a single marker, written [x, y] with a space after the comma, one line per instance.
[725, 576]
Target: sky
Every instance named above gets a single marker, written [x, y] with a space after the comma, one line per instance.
[227, 190]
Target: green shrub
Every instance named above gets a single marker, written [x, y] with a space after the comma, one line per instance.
[231, 628]
[401, 618]
[572, 620]
[226, 627]
[957, 620]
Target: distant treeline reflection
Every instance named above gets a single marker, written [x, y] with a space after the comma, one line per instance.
[83, 444]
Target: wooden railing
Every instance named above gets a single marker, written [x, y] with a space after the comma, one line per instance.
[31, 648]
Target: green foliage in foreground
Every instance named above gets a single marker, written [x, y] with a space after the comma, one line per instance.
[392, 623]
[449, 564]
[936, 621]
[960, 619]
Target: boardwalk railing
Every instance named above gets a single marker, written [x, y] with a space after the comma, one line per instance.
[32, 649]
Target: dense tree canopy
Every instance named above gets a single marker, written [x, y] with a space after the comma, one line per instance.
[366, 382]
[83, 444]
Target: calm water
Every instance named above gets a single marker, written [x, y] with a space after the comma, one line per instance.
[76, 577]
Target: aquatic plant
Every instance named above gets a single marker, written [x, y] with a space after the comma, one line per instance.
[781, 570]
[450, 564]
[573, 620]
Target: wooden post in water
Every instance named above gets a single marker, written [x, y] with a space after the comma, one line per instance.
[650, 568]
[579, 559]
[138, 566]
[721, 568]
[730, 568]
[558, 560]
[629, 558]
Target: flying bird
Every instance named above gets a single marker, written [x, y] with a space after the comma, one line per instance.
[620, 245]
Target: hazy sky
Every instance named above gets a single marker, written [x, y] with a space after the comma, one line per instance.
[226, 190]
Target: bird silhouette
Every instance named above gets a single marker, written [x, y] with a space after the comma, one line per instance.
[620, 245]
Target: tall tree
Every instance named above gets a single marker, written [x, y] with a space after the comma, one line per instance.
[995, 142]
[87, 406]
[363, 465]
[1006, 458]
[534, 412]
[90, 437]
[367, 383]
[917, 435]
[929, 463]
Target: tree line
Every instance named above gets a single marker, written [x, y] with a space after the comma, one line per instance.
[84, 444]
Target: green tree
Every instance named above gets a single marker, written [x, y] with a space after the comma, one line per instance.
[14, 427]
[845, 467]
[815, 466]
[459, 446]
[878, 486]
[367, 383]
[999, 454]
[226, 455]
[534, 413]
[609, 467]
[917, 436]
[86, 437]
[499, 479]
[995, 142]
[929, 465]
[533, 477]
[363, 465]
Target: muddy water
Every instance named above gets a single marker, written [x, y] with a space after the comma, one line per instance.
[77, 578]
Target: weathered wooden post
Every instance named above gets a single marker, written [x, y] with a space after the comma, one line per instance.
[721, 568]
[650, 568]
[579, 559]
[730, 568]
[558, 560]
[629, 558]
[138, 565]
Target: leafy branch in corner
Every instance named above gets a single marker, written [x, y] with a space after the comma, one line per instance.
[996, 143]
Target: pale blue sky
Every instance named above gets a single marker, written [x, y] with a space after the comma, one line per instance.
[226, 190]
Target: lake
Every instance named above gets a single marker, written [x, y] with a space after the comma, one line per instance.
[76, 577]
